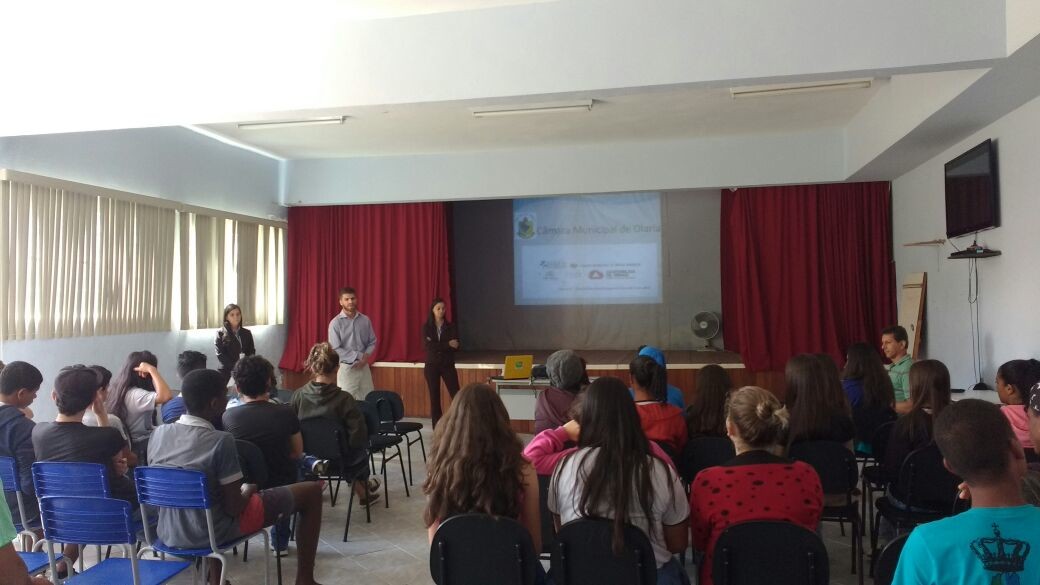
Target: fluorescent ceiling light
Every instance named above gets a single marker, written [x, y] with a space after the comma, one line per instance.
[544, 108]
[232, 142]
[796, 88]
[291, 123]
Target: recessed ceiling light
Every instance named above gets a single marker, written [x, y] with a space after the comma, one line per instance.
[542, 108]
[796, 88]
[291, 123]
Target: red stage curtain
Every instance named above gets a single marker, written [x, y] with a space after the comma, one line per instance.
[396, 256]
[805, 269]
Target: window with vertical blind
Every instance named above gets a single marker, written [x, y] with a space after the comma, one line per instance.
[75, 261]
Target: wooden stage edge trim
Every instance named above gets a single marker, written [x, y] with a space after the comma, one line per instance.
[728, 366]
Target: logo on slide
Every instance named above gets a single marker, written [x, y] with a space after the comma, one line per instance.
[595, 275]
[525, 226]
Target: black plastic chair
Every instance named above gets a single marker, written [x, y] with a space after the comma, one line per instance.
[390, 408]
[778, 553]
[583, 555]
[838, 472]
[874, 477]
[326, 439]
[379, 443]
[477, 549]
[548, 529]
[926, 488]
[885, 564]
[701, 453]
[254, 470]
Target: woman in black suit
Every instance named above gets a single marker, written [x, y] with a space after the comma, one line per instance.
[233, 341]
[441, 340]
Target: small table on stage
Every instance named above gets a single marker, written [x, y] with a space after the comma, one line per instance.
[519, 396]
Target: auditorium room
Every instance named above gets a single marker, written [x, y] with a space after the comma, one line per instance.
[520, 292]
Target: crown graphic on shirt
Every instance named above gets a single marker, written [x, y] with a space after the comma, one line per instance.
[1001, 555]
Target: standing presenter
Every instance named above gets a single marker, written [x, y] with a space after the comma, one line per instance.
[233, 341]
[352, 336]
[441, 340]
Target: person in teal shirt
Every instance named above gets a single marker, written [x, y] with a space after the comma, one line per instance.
[894, 344]
[997, 542]
[11, 566]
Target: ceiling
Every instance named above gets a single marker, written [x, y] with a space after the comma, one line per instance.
[615, 117]
[373, 9]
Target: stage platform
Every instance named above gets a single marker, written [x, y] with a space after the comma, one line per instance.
[406, 378]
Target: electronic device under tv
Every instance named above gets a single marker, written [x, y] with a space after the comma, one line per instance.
[971, 191]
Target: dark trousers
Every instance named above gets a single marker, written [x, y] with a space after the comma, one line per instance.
[434, 373]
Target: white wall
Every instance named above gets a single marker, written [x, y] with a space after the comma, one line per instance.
[172, 163]
[1010, 284]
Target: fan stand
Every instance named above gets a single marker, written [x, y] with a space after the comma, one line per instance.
[707, 346]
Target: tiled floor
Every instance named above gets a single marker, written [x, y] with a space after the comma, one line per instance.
[393, 549]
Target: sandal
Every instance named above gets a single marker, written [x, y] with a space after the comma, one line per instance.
[373, 485]
[371, 499]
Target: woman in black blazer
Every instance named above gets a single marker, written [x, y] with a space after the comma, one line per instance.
[441, 340]
[233, 341]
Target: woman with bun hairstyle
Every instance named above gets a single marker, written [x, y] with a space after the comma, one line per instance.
[1014, 379]
[757, 484]
[233, 341]
[441, 340]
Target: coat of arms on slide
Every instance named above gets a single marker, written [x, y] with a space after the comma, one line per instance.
[525, 223]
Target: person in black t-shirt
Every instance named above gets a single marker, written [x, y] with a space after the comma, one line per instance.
[67, 439]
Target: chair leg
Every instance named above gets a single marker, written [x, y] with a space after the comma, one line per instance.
[409, 449]
[278, 564]
[386, 484]
[404, 477]
[423, 447]
[350, 508]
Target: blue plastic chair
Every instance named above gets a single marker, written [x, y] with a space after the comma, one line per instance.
[101, 521]
[187, 489]
[64, 478]
[35, 562]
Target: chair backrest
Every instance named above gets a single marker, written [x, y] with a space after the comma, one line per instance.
[87, 520]
[389, 407]
[879, 440]
[703, 452]
[168, 487]
[583, 553]
[925, 482]
[251, 460]
[9, 474]
[777, 553]
[548, 529]
[368, 409]
[885, 566]
[60, 478]
[476, 549]
[833, 462]
[323, 438]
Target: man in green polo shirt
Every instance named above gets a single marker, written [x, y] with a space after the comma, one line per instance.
[894, 342]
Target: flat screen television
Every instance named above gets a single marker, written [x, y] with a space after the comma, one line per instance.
[971, 191]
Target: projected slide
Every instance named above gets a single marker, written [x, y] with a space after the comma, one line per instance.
[587, 249]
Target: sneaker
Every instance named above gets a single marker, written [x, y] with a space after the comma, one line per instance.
[320, 467]
[280, 553]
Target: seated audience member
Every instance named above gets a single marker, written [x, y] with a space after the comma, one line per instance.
[895, 345]
[991, 542]
[136, 391]
[322, 398]
[187, 361]
[1031, 482]
[818, 408]
[1014, 379]
[565, 371]
[238, 509]
[11, 566]
[706, 417]
[930, 394]
[614, 475]
[77, 388]
[675, 395]
[91, 420]
[757, 484]
[662, 422]
[869, 391]
[19, 383]
[476, 465]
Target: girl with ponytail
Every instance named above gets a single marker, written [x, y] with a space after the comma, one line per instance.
[1014, 379]
[662, 422]
[757, 484]
[322, 398]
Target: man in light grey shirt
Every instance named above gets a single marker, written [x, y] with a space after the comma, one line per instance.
[352, 336]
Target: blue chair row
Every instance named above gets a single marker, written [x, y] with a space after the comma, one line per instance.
[35, 562]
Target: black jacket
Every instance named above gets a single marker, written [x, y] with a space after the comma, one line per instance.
[16, 441]
[230, 347]
[438, 351]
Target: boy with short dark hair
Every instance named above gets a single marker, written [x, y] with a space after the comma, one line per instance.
[188, 361]
[991, 543]
[238, 509]
[19, 383]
